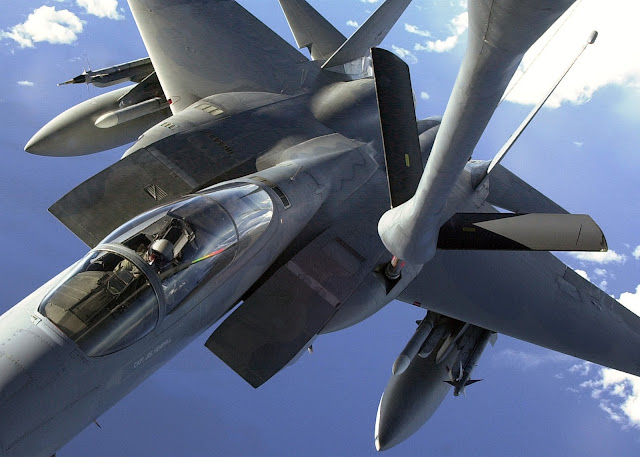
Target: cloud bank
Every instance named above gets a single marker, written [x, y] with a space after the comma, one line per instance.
[46, 24]
[617, 393]
[458, 25]
[50, 25]
[608, 61]
[610, 256]
[101, 8]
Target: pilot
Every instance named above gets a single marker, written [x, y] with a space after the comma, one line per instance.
[160, 254]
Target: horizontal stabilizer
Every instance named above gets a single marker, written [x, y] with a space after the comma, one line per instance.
[522, 232]
[398, 124]
[311, 30]
[370, 34]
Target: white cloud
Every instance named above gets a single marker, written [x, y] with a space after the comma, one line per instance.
[369, 1]
[631, 300]
[636, 253]
[405, 54]
[618, 395]
[600, 272]
[582, 368]
[424, 95]
[101, 8]
[46, 24]
[529, 360]
[605, 62]
[26, 83]
[414, 29]
[459, 25]
[610, 256]
[603, 284]
[352, 23]
[583, 274]
[578, 144]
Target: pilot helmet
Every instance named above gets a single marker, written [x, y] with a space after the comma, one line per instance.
[160, 252]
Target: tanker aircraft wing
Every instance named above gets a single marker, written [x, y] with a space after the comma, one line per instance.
[532, 296]
[202, 48]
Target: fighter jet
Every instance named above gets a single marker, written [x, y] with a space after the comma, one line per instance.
[302, 195]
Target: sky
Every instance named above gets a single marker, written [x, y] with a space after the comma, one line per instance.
[581, 151]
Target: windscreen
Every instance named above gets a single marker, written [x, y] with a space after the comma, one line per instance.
[105, 304]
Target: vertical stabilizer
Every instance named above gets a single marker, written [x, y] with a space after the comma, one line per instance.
[311, 30]
[370, 34]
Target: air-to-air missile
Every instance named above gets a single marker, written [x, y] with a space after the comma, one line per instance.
[471, 348]
[135, 70]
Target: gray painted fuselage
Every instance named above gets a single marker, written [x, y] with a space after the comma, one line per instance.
[312, 135]
[42, 362]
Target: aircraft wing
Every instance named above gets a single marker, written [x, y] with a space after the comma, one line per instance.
[200, 48]
[532, 296]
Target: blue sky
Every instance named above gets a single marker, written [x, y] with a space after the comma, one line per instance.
[582, 153]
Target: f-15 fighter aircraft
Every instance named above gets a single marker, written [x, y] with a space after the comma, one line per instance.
[305, 192]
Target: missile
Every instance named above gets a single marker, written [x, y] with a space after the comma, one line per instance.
[467, 361]
[113, 118]
[452, 342]
[441, 331]
[135, 70]
[413, 346]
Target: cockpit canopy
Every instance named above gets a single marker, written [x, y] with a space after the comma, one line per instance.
[113, 297]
